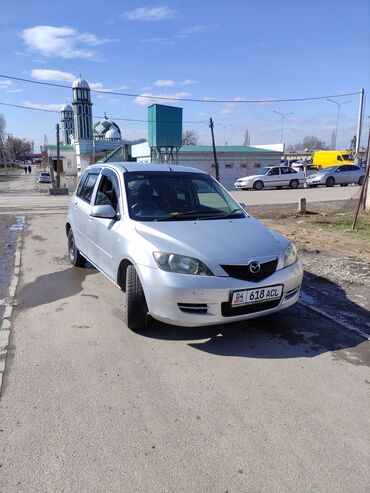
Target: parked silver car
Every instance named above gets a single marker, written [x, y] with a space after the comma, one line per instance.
[44, 177]
[179, 245]
[270, 177]
[343, 175]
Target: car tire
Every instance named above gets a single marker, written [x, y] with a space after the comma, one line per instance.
[74, 255]
[294, 184]
[135, 313]
[330, 181]
[258, 185]
[361, 181]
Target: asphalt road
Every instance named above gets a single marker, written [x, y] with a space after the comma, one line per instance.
[275, 404]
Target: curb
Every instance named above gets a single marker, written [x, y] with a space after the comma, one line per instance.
[5, 323]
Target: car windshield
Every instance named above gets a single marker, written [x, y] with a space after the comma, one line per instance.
[347, 157]
[263, 171]
[176, 196]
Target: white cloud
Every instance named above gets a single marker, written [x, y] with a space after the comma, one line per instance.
[158, 98]
[164, 83]
[42, 106]
[188, 82]
[226, 111]
[4, 84]
[148, 14]
[13, 91]
[63, 42]
[55, 75]
[190, 31]
[38, 61]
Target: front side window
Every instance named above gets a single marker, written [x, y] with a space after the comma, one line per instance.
[346, 157]
[170, 196]
[273, 171]
[108, 191]
[86, 189]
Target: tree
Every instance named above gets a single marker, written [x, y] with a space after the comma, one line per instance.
[247, 138]
[311, 142]
[18, 147]
[2, 126]
[352, 146]
[189, 138]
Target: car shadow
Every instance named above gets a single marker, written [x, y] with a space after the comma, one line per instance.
[296, 332]
[54, 286]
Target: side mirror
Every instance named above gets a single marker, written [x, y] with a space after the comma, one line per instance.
[104, 211]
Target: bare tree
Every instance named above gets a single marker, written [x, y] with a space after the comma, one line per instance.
[18, 147]
[2, 126]
[247, 138]
[312, 142]
[189, 138]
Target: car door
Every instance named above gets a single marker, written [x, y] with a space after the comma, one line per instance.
[272, 179]
[102, 233]
[341, 174]
[81, 208]
[286, 175]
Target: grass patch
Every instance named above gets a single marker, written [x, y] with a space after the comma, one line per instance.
[342, 223]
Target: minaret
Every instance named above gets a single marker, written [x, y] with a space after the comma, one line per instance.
[67, 123]
[82, 109]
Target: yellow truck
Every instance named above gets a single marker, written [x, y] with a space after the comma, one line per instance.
[323, 159]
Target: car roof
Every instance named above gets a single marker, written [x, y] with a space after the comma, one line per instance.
[126, 166]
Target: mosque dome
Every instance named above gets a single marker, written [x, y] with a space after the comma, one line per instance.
[113, 134]
[106, 129]
[80, 84]
[66, 107]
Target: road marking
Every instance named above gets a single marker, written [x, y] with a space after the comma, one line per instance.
[309, 305]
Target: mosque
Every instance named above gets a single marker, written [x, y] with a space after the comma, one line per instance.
[87, 141]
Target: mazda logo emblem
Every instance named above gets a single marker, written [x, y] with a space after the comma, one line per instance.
[254, 267]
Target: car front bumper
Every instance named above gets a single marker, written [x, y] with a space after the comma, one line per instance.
[192, 301]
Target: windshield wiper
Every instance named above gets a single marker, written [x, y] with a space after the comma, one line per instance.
[197, 215]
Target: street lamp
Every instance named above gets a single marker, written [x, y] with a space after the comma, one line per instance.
[283, 115]
[336, 128]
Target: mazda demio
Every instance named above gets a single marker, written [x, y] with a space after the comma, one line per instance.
[179, 246]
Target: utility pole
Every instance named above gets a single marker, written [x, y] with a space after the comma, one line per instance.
[58, 157]
[359, 125]
[214, 150]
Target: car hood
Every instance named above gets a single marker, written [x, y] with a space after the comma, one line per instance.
[250, 177]
[223, 241]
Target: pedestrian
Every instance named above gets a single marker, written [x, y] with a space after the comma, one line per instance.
[29, 169]
[25, 169]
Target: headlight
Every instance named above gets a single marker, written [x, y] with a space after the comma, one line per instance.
[290, 255]
[181, 264]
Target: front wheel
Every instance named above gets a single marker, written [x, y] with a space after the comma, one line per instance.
[74, 255]
[136, 311]
[294, 184]
[258, 185]
[330, 181]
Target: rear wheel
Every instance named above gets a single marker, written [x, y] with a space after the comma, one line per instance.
[294, 184]
[74, 255]
[258, 185]
[330, 181]
[136, 310]
[361, 181]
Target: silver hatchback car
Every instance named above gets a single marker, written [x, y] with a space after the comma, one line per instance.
[179, 246]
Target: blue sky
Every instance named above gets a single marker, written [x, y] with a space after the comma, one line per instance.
[236, 49]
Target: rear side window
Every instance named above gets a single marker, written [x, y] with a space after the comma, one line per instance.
[86, 187]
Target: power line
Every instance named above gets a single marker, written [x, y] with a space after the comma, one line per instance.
[95, 116]
[191, 100]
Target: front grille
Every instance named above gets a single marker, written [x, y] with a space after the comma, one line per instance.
[243, 272]
[228, 311]
[194, 308]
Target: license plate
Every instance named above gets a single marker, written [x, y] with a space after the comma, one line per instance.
[249, 296]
